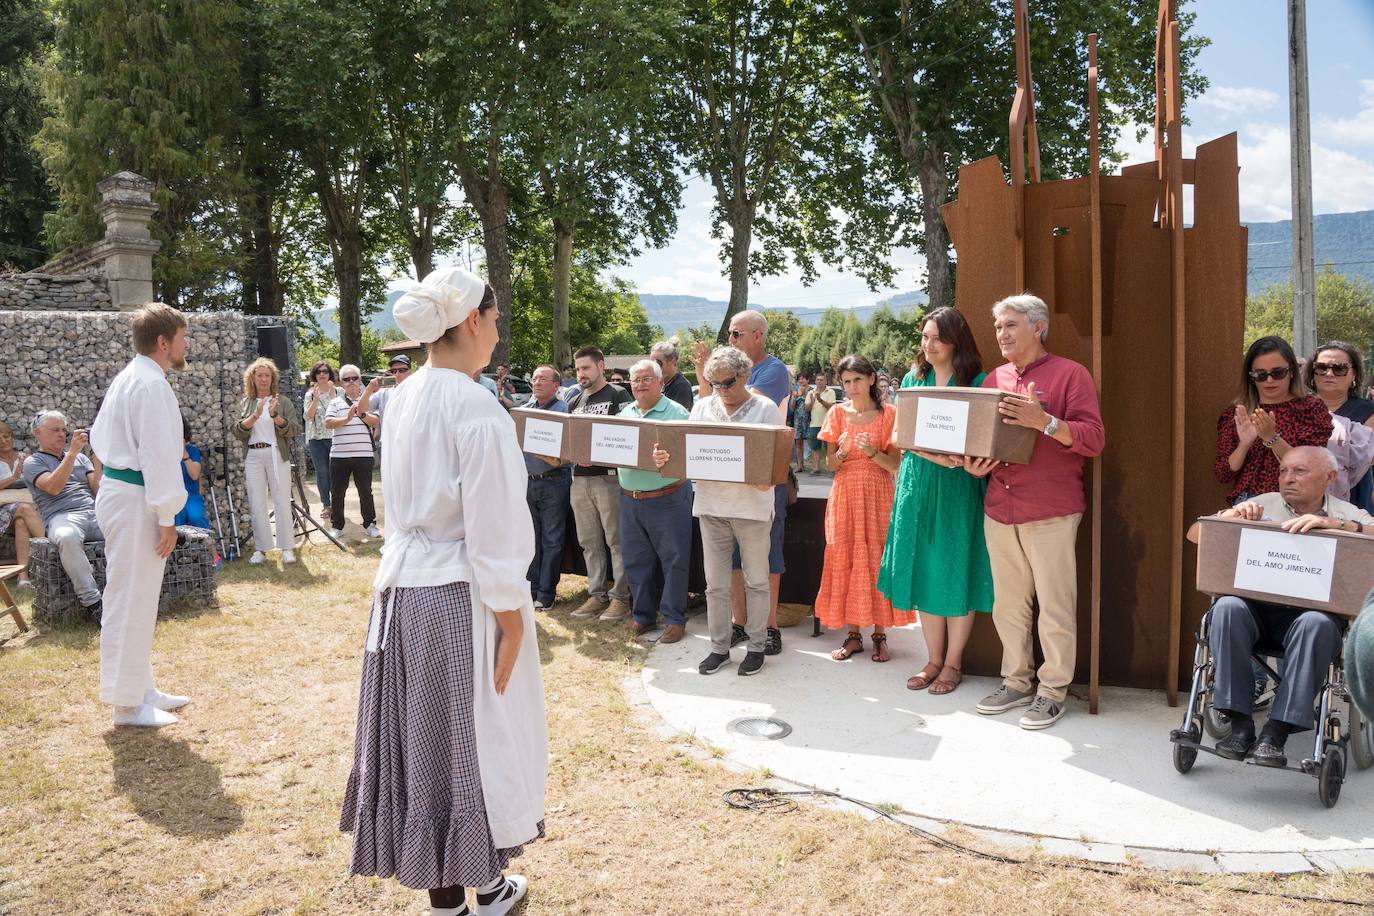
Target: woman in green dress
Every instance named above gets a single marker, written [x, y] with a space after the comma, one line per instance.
[936, 560]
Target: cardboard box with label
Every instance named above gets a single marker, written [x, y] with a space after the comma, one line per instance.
[542, 432]
[753, 453]
[613, 442]
[1329, 571]
[961, 421]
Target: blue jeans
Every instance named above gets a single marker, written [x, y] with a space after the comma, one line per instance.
[656, 546]
[319, 457]
[548, 501]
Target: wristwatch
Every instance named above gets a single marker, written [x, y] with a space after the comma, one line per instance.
[1052, 427]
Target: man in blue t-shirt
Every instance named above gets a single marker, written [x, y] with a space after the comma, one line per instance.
[770, 378]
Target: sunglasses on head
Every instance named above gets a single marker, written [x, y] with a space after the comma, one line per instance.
[1264, 375]
[1337, 369]
[725, 385]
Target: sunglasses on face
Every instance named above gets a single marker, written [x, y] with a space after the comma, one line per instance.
[725, 385]
[399, 370]
[352, 378]
[736, 335]
[1264, 375]
[1337, 369]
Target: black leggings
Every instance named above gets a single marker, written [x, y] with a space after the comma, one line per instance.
[340, 470]
[447, 897]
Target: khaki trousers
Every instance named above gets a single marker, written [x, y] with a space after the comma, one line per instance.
[1036, 560]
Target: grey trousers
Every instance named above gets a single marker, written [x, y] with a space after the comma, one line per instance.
[70, 531]
[596, 509]
[1311, 641]
[718, 538]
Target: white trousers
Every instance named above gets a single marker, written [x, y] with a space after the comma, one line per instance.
[267, 476]
[133, 582]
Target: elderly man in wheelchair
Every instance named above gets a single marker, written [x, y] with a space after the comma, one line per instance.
[1234, 628]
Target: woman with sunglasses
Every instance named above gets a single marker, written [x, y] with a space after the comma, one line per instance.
[1273, 414]
[1336, 374]
[318, 437]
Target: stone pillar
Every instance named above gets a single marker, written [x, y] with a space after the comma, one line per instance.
[126, 252]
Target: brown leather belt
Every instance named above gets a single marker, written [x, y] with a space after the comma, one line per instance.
[260, 445]
[652, 494]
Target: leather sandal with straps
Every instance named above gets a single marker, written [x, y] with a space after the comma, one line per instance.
[844, 652]
[922, 681]
[944, 685]
[880, 648]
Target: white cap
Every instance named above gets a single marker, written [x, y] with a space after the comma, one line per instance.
[443, 299]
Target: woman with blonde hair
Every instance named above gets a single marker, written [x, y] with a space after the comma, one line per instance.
[267, 423]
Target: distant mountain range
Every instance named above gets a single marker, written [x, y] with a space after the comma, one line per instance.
[677, 313]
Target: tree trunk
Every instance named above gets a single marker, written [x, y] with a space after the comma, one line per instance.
[248, 287]
[491, 199]
[934, 191]
[264, 251]
[422, 256]
[420, 240]
[562, 282]
[347, 253]
[741, 237]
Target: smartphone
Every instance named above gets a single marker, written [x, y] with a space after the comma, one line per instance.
[386, 381]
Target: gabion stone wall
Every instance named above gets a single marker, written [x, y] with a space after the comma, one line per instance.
[83, 291]
[190, 574]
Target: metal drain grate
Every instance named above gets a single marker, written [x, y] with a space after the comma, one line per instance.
[760, 729]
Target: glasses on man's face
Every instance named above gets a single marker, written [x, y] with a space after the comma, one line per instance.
[399, 370]
[1264, 375]
[725, 384]
[736, 335]
[642, 380]
[352, 378]
[1339, 370]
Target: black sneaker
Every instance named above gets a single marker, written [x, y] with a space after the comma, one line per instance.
[773, 645]
[713, 663]
[94, 611]
[752, 664]
[737, 635]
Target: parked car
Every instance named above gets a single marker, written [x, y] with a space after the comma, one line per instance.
[523, 391]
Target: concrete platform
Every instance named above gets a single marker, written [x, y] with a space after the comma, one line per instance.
[1090, 786]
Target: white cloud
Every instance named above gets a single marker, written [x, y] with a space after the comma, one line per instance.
[1341, 181]
[1238, 99]
[1356, 131]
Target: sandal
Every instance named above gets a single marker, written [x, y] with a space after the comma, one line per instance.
[922, 680]
[843, 652]
[943, 685]
[880, 648]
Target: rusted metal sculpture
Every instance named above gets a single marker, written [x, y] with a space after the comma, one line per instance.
[1155, 309]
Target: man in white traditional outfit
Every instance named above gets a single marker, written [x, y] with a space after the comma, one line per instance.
[451, 753]
[137, 437]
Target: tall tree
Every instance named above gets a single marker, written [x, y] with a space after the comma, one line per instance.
[941, 75]
[26, 35]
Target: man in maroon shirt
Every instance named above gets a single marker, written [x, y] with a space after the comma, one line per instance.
[1032, 511]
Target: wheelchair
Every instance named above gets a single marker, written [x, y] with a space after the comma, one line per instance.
[1340, 731]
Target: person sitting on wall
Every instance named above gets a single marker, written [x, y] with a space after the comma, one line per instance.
[193, 513]
[1311, 639]
[16, 505]
[63, 482]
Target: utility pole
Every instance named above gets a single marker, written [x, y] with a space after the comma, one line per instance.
[1300, 138]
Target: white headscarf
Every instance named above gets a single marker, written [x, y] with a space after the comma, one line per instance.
[443, 299]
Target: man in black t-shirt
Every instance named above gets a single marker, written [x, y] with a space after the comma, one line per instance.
[596, 497]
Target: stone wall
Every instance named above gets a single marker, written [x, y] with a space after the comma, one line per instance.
[87, 291]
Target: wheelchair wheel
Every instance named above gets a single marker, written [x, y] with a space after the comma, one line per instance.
[1216, 722]
[1330, 778]
[1185, 757]
[1361, 738]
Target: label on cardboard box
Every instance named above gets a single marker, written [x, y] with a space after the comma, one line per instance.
[543, 437]
[715, 457]
[1295, 565]
[613, 444]
[942, 425]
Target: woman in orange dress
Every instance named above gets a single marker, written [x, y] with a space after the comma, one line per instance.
[857, 512]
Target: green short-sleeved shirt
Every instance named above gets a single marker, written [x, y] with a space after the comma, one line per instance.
[634, 479]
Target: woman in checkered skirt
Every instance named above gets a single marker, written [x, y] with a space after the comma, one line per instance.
[451, 754]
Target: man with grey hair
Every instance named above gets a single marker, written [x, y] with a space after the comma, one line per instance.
[550, 482]
[655, 520]
[675, 385]
[1311, 639]
[64, 482]
[1032, 511]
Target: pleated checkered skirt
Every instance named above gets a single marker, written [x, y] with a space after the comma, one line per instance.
[414, 798]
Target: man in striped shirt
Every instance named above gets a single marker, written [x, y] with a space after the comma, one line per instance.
[350, 453]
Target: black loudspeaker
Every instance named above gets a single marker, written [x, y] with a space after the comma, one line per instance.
[274, 342]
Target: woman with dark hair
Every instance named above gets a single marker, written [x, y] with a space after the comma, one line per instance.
[324, 387]
[193, 513]
[451, 754]
[936, 557]
[857, 513]
[1273, 414]
[1336, 374]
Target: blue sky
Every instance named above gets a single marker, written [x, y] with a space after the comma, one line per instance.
[1247, 66]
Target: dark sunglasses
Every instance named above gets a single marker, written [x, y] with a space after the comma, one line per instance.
[1340, 370]
[1264, 375]
[351, 378]
[397, 369]
[736, 335]
[323, 373]
[725, 385]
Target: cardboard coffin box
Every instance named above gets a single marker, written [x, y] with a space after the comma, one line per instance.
[542, 432]
[960, 421]
[1328, 571]
[755, 453]
[613, 442]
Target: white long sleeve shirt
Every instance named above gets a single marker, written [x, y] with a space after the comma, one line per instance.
[139, 429]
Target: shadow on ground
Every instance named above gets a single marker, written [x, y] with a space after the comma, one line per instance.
[171, 785]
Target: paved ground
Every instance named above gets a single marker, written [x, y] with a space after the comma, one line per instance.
[1096, 786]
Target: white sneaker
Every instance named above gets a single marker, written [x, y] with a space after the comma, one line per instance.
[257, 558]
[143, 715]
[336, 532]
[373, 531]
[164, 701]
[288, 556]
[504, 900]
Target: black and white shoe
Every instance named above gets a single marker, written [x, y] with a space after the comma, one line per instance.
[713, 663]
[94, 611]
[773, 644]
[503, 899]
[737, 635]
[752, 664]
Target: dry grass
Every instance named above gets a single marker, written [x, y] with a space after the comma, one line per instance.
[234, 810]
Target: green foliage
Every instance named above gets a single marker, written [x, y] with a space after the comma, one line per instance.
[26, 34]
[784, 333]
[889, 340]
[1345, 310]
[312, 346]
